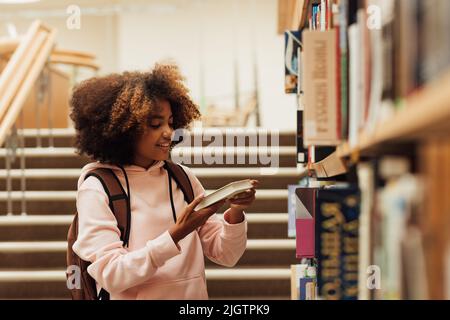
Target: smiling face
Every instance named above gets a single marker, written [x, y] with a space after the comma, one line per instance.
[154, 143]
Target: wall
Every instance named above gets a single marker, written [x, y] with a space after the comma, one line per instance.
[197, 35]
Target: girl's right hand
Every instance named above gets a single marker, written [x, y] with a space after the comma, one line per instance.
[190, 220]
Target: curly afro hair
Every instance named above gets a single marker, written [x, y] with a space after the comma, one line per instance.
[110, 113]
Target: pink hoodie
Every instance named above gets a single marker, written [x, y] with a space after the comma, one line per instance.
[151, 267]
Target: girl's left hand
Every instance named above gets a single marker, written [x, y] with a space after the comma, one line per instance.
[244, 200]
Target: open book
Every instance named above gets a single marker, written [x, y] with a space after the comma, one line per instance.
[226, 192]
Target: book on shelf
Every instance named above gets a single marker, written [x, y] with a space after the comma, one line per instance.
[366, 181]
[391, 236]
[320, 89]
[303, 282]
[380, 58]
[356, 71]
[226, 192]
[291, 14]
[292, 64]
[298, 271]
[337, 214]
[305, 220]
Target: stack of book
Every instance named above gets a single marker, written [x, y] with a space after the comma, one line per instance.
[384, 235]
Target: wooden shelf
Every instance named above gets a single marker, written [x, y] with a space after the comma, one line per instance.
[292, 14]
[426, 115]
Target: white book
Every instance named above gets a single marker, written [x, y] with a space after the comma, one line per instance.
[354, 82]
[323, 15]
[229, 191]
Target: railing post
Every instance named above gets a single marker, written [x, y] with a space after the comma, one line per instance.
[49, 106]
[22, 166]
[9, 159]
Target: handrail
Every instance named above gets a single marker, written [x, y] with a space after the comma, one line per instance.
[58, 55]
[21, 72]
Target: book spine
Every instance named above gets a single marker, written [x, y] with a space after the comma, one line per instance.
[305, 213]
[338, 85]
[337, 216]
[320, 89]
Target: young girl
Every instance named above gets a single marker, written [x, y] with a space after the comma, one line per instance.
[126, 121]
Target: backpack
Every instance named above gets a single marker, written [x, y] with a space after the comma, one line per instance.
[119, 203]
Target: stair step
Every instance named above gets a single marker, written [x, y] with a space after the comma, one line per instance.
[222, 283]
[199, 172]
[283, 156]
[66, 137]
[52, 254]
[57, 258]
[211, 178]
[178, 151]
[61, 246]
[54, 202]
[37, 220]
[265, 194]
[224, 274]
[55, 227]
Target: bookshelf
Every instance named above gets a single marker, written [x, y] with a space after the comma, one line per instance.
[292, 14]
[424, 115]
[379, 98]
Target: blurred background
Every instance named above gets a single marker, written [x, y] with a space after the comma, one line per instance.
[352, 94]
[232, 57]
[228, 50]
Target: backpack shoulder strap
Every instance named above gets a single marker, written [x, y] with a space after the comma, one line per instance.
[181, 178]
[118, 200]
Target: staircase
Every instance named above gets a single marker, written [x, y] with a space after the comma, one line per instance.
[33, 247]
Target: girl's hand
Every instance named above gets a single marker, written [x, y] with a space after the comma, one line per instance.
[244, 200]
[239, 203]
[190, 220]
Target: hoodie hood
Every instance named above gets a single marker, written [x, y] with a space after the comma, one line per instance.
[130, 169]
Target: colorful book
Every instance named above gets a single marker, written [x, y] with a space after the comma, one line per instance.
[306, 289]
[298, 271]
[305, 230]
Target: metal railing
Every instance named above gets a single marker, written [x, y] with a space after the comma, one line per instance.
[16, 82]
[28, 67]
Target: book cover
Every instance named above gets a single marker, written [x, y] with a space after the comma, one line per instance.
[343, 46]
[355, 84]
[292, 47]
[337, 213]
[366, 181]
[319, 82]
[226, 192]
[305, 212]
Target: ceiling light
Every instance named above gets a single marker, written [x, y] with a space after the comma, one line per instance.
[17, 1]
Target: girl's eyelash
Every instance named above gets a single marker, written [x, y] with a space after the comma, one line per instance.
[158, 125]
